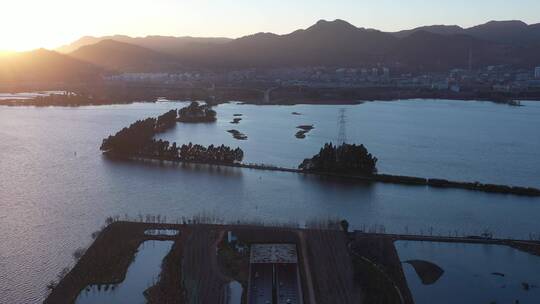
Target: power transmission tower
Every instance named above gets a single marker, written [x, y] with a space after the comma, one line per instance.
[342, 133]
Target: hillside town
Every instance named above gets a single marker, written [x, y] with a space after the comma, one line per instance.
[499, 78]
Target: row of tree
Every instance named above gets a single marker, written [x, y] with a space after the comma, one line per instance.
[210, 154]
[193, 153]
[166, 121]
[346, 158]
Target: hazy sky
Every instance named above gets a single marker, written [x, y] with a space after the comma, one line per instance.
[27, 24]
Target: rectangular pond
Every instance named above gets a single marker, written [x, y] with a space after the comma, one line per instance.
[472, 273]
[142, 274]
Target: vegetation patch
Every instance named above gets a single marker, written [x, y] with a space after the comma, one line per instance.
[375, 285]
[343, 159]
[234, 263]
[196, 112]
[378, 270]
[202, 280]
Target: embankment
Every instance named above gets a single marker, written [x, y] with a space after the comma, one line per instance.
[382, 178]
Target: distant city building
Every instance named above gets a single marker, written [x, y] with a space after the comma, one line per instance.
[386, 72]
[364, 72]
[455, 88]
[440, 85]
[502, 88]
[534, 83]
[523, 76]
[537, 73]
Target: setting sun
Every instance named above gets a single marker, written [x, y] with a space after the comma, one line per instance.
[33, 24]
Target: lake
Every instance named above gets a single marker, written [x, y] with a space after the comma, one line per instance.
[473, 273]
[56, 188]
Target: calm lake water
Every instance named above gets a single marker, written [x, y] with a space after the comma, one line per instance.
[468, 273]
[469, 141]
[56, 188]
[142, 273]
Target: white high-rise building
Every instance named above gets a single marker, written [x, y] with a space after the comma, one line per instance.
[537, 73]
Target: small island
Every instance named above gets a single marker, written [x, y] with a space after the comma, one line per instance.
[236, 120]
[304, 129]
[348, 159]
[195, 113]
[237, 134]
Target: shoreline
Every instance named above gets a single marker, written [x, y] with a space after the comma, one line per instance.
[287, 102]
[291, 102]
[379, 177]
[113, 94]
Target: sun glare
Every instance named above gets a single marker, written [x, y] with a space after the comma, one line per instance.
[28, 25]
[32, 24]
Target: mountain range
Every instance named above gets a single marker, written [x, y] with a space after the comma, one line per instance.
[164, 44]
[326, 43]
[45, 66]
[509, 32]
[120, 56]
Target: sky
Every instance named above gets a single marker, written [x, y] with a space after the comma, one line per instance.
[30, 24]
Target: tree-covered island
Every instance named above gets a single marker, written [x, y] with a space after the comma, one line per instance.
[137, 140]
[346, 159]
[196, 112]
